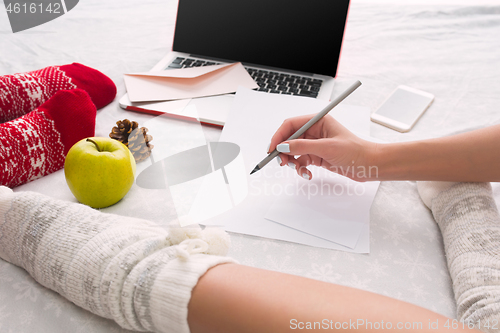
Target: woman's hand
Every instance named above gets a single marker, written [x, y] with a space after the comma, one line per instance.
[327, 144]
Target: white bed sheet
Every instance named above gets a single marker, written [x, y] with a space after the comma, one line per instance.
[452, 52]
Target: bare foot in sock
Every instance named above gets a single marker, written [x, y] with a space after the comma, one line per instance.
[36, 144]
[23, 92]
[470, 225]
[127, 269]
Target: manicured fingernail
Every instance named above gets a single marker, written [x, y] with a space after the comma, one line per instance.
[279, 160]
[283, 148]
[292, 165]
[306, 176]
[268, 147]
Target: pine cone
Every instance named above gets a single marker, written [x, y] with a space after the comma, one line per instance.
[139, 144]
[136, 139]
[122, 131]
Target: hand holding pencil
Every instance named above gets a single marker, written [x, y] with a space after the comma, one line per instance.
[319, 140]
[327, 144]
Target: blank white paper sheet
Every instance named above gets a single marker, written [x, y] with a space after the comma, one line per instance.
[329, 211]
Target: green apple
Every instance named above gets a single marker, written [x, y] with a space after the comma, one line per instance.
[99, 171]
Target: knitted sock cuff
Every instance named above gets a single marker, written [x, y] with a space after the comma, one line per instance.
[430, 190]
[171, 292]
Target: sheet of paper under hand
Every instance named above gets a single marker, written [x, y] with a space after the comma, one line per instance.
[331, 209]
[185, 83]
[280, 204]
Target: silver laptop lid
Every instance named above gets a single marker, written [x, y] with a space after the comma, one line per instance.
[298, 35]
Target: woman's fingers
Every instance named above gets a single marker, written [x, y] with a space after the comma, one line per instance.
[318, 147]
[300, 165]
[292, 125]
[303, 162]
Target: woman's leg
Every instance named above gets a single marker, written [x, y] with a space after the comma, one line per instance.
[235, 298]
[126, 269]
[470, 224]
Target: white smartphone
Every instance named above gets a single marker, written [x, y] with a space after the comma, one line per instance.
[403, 108]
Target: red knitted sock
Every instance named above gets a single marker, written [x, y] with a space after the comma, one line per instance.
[23, 92]
[36, 144]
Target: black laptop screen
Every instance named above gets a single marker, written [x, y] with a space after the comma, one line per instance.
[300, 35]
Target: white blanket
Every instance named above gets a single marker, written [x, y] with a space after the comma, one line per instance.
[452, 52]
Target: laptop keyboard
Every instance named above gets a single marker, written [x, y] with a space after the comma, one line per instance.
[268, 81]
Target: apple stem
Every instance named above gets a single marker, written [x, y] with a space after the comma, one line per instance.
[98, 148]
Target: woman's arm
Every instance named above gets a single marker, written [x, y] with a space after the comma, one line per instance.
[467, 157]
[472, 156]
[234, 298]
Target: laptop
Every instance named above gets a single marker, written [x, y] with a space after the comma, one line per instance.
[289, 47]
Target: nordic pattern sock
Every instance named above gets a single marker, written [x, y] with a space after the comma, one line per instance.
[126, 269]
[470, 224]
[36, 144]
[23, 92]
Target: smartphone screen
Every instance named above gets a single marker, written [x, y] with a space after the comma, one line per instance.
[403, 108]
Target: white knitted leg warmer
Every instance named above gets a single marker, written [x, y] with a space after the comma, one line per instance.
[470, 224]
[126, 269]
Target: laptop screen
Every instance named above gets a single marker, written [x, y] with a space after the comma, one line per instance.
[299, 35]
